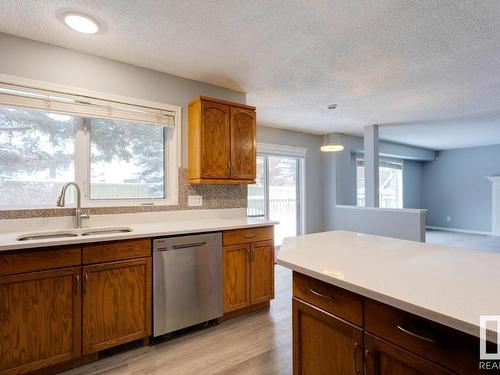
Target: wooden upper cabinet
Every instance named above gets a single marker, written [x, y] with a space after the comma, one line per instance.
[243, 143]
[222, 142]
[215, 141]
[40, 319]
[116, 303]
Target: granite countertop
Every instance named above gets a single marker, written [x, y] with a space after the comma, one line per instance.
[8, 241]
[448, 285]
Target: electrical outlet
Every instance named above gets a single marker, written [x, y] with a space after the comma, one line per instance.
[448, 219]
[195, 200]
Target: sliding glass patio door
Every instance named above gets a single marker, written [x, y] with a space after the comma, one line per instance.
[276, 195]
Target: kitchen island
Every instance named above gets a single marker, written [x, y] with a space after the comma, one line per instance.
[383, 305]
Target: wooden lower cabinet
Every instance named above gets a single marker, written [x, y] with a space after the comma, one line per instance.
[332, 329]
[236, 277]
[116, 303]
[40, 319]
[383, 358]
[324, 343]
[248, 275]
[261, 271]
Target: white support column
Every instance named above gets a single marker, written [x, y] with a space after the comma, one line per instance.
[495, 203]
[371, 166]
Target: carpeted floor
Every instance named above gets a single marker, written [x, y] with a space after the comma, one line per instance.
[464, 240]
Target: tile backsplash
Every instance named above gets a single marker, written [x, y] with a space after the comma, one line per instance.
[214, 196]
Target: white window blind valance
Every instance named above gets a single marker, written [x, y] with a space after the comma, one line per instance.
[58, 102]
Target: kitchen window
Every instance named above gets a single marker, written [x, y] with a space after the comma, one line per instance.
[126, 160]
[37, 155]
[120, 155]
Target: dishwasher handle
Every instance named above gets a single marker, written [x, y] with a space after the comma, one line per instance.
[188, 245]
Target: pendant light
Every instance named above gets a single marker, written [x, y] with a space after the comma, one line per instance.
[331, 146]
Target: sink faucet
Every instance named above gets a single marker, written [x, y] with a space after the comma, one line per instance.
[79, 215]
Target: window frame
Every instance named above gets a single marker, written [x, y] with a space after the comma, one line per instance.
[382, 159]
[295, 152]
[172, 156]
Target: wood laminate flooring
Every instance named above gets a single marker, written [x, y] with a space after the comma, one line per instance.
[254, 344]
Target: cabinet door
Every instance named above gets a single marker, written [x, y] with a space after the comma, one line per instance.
[262, 272]
[243, 144]
[323, 343]
[215, 141]
[383, 358]
[39, 319]
[236, 277]
[116, 303]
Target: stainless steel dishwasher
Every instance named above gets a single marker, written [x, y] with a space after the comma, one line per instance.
[187, 281]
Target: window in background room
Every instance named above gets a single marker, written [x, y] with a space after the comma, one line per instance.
[37, 156]
[390, 182]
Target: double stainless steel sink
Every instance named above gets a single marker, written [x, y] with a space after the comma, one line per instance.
[72, 233]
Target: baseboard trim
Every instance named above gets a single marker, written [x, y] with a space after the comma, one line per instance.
[245, 310]
[458, 230]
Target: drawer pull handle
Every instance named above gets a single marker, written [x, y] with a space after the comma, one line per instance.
[316, 293]
[250, 235]
[413, 334]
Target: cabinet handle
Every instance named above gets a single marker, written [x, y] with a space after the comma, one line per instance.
[365, 365]
[253, 254]
[413, 334]
[355, 357]
[249, 254]
[252, 235]
[77, 282]
[85, 281]
[316, 293]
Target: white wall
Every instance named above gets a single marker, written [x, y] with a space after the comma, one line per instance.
[456, 186]
[45, 62]
[404, 224]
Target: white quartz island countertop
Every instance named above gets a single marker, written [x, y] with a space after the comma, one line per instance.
[8, 241]
[448, 285]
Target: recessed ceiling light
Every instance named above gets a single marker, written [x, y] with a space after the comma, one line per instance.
[81, 22]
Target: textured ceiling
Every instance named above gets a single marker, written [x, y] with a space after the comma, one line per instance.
[384, 62]
[471, 131]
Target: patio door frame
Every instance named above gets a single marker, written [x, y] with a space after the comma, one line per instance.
[299, 154]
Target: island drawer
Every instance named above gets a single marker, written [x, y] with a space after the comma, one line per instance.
[447, 347]
[247, 235]
[116, 250]
[332, 299]
[39, 259]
